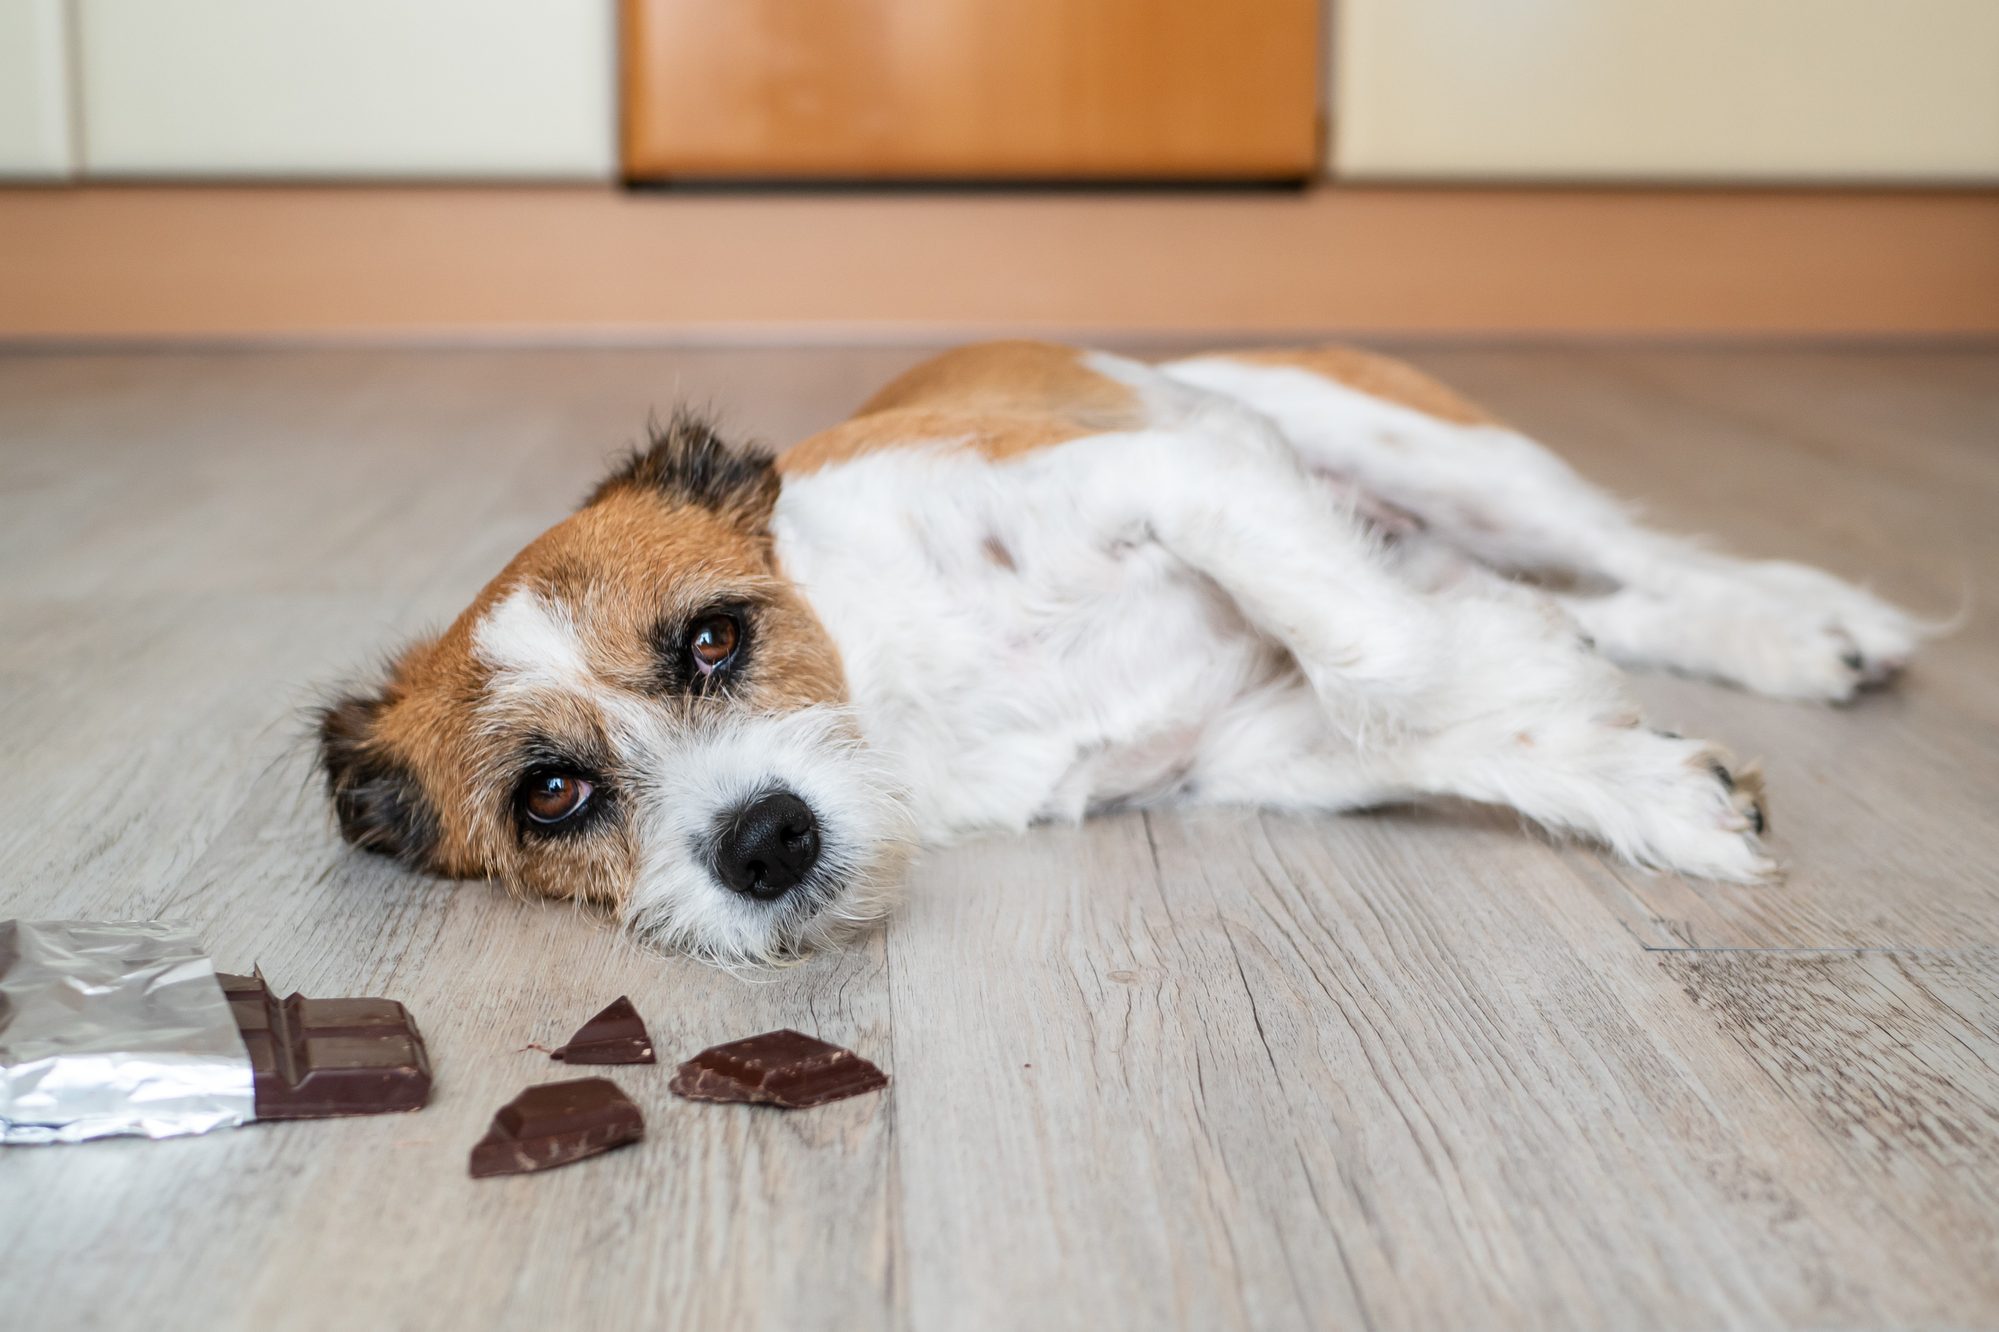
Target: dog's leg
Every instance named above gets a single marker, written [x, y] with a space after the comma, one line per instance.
[1543, 728]
[1529, 717]
[1646, 598]
[1479, 689]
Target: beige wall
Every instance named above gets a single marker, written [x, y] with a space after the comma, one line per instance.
[1667, 89]
[34, 90]
[367, 88]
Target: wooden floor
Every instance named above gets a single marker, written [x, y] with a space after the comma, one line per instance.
[1410, 1070]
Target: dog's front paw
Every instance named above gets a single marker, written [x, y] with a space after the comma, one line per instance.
[1692, 809]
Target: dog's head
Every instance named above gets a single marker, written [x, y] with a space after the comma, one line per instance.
[641, 711]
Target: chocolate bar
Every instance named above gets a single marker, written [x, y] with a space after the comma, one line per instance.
[615, 1036]
[317, 1058]
[782, 1068]
[555, 1124]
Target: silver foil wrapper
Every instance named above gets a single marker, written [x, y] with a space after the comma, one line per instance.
[114, 1027]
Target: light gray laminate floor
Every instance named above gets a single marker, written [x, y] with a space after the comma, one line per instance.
[1405, 1070]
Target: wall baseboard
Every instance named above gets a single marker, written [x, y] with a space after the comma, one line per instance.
[399, 263]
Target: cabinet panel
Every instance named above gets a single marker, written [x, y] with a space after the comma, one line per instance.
[34, 90]
[971, 88]
[1692, 89]
[429, 88]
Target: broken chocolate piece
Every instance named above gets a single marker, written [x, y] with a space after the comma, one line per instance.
[782, 1068]
[555, 1124]
[615, 1036]
[317, 1058]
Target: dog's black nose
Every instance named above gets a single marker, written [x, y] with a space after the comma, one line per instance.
[768, 846]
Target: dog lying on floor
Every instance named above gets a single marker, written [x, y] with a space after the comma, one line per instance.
[1026, 582]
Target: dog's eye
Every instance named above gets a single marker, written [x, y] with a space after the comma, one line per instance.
[712, 641]
[555, 797]
[705, 654]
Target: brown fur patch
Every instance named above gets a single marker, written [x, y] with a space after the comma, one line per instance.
[1017, 378]
[1377, 376]
[996, 435]
[1001, 399]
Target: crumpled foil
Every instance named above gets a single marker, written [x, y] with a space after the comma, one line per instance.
[114, 1027]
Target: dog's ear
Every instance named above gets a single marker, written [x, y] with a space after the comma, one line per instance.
[377, 799]
[687, 462]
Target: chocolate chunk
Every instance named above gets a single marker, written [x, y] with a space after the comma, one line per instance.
[554, 1124]
[782, 1068]
[316, 1058]
[615, 1036]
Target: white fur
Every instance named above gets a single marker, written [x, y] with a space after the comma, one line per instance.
[1185, 614]
[531, 642]
[1660, 601]
[694, 767]
[993, 689]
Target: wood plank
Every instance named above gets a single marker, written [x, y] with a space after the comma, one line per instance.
[1556, 1082]
[1894, 1059]
[233, 263]
[1368, 1061]
[1212, 1069]
[1106, 1084]
[1863, 464]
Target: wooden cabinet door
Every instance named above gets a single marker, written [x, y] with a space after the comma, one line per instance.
[972, 89]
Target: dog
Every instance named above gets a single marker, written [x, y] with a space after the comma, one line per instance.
[730, 694]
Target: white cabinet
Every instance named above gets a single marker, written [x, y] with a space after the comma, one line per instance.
[1783, 90]
[34, 91]
[469, 89]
